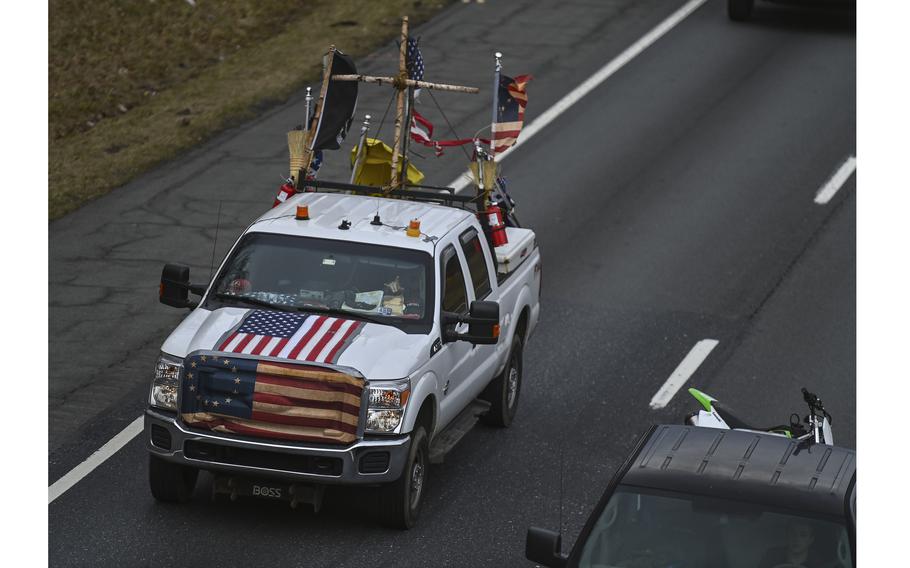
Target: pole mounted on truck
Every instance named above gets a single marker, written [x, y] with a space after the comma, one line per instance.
[403, 110]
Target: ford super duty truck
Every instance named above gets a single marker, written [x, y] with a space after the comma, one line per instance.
[345, 339]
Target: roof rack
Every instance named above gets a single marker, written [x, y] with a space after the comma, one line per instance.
[424, 193]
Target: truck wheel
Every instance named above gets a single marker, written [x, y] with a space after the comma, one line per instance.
[502, 392]
[739, 10]
[400, 500]
[171, 482]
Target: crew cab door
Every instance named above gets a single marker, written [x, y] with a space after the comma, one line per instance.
[455, 356]
[481, 286]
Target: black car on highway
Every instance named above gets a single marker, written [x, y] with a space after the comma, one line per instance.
[702, 497]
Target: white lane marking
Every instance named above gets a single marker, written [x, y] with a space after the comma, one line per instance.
[590, 84]
[842, 174]
[107, 450]
[686, 368]
[130, 432]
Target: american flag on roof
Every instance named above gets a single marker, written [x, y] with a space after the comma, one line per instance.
[510, 111]
[288, 335]
[265, 399]
[414, 61]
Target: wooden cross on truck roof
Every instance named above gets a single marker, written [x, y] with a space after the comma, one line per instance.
[405, 88]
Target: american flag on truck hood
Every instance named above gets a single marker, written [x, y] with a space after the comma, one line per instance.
[265, 399]
[510, 112]
[288, 335]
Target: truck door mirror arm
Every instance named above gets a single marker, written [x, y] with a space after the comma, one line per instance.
[544, 547]
[482, 320]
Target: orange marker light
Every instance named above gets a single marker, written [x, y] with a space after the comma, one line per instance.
[414, 228]
[496, 330]
[303, 213]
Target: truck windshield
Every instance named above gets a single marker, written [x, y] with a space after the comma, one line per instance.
[650, 529]
[382, 283]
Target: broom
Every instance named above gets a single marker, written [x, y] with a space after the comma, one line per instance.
[297, 150]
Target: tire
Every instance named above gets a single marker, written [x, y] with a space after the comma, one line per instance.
[739, 10]
[503, 391]
[399, 501]
[171, 482]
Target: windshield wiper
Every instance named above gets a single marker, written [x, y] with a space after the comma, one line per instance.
[253, 301]
[346, 313]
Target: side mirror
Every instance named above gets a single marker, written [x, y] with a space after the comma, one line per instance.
[175, 286]
[545, 548]
[483, 324]
[482, 320]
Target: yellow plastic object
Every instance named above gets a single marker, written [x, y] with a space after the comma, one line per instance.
[413, 228]
[303, 213]
[376, 165]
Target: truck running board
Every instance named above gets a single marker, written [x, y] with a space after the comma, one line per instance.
[455, 431]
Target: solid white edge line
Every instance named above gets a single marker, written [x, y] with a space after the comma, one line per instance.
[107, 450]
[831, 187]
[589, 84]
[686, 369]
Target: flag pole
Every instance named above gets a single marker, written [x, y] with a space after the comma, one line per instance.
[361, 147]
[309, 104]
[408, 113]
[496, 73]
[300, 163]
[406, 140]
[399, 107]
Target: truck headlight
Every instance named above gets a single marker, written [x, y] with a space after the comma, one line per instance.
[166, 382]
[386, 406]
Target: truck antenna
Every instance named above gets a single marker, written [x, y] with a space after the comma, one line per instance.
[562, 451]
[215, 241]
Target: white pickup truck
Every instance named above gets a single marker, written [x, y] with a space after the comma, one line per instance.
[340, 343]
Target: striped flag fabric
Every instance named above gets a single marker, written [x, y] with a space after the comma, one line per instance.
[421, 129]
[265, 399]
[288, 335]
[422, 132]
[510, 112]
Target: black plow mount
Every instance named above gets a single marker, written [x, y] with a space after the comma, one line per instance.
[269, 489]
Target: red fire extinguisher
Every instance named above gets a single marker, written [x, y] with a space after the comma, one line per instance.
[497, 226]
[285, 191]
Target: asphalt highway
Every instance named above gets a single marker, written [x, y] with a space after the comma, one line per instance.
[673, 203]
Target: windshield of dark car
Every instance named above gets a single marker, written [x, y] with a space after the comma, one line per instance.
[658, 530]
[384, 283]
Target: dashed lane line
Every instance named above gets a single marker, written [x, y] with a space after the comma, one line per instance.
[843, 173]
[107, 450]
[591, 83]
[686, 369]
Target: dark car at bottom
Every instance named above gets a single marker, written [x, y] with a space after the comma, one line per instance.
[702, 497]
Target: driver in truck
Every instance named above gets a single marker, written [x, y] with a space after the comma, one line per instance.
[800, 537]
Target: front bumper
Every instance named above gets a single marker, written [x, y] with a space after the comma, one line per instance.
[363, 462]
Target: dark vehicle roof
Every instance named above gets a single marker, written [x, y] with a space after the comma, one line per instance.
[748, 466]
